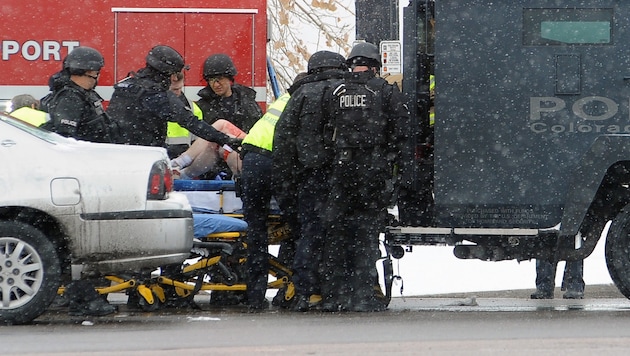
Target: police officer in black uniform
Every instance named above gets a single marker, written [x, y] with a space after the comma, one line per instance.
[223, 99]
[369, 120]
[302, 158]
[142, 104]
[76, 111]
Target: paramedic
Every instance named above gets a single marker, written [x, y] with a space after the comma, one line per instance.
[74, 107]
[256, 196]
[369, 118]
[26, 108]
[302, 158]
[76, 111]
[142, 103]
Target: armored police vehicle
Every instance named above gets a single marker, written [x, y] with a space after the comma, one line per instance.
[529, 156]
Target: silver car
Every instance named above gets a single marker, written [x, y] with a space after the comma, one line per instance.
[70, 207]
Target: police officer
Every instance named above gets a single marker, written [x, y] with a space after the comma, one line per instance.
[75, 109]
[223, 99]
[142, 103]
[302, 161]
[257, 192]
[369, 120]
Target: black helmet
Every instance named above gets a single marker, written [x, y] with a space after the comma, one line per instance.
[84, 58]
[365, 54]
[218, 65]
[165, 59]
[325, 59]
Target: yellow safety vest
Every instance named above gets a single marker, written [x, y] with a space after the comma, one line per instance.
[30, 115]
[177, 135]
[261, 134]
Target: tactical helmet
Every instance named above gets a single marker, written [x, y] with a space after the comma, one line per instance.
[165, 59]
[218, 65]
[364, 53]
[84, 58]
[325, 59]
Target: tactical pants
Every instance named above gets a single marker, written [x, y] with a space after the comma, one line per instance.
[357, 214]
[350, 255]
[257, 191]
[312, 195]
[572, 279]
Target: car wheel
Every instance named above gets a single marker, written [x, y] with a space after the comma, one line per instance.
[618, 251]
[29, 273]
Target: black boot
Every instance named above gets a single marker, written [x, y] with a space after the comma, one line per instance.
[85, 300]
[367, 305]
[95, 307]
[541, 294]
[300, 304]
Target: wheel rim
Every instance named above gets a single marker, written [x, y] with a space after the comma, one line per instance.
[21, 272]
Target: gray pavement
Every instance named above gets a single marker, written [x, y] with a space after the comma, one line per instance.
[596, 291]
[597, 297]
[479, 323]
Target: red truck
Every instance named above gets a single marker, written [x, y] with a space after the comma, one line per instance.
[36, 36]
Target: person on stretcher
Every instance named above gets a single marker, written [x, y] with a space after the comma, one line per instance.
[203, 155]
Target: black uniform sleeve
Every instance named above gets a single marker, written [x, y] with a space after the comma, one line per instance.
[285, 152]
[248, 110]
[184, 116]
[254, 112]
[401, 130]
[66, 114]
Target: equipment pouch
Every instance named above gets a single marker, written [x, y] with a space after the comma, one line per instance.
[238, 186]
[344, 155]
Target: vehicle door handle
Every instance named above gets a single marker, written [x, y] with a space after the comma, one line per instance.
[7, 143]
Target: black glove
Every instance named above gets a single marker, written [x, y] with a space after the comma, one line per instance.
[235, 144]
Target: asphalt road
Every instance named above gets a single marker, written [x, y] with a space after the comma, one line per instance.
[484, 323]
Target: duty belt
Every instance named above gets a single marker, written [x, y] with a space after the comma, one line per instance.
[251, 148]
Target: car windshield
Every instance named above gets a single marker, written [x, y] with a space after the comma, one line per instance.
[33, 130]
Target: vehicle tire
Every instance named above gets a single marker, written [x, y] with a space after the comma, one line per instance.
[29, 273]
[618, 251]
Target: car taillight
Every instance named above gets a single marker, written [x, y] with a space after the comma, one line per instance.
[160, 181]
[168, 179]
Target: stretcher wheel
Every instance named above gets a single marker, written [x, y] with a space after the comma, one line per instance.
[145, 304]
[138, 299]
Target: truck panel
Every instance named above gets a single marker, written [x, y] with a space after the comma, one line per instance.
[522, 92]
